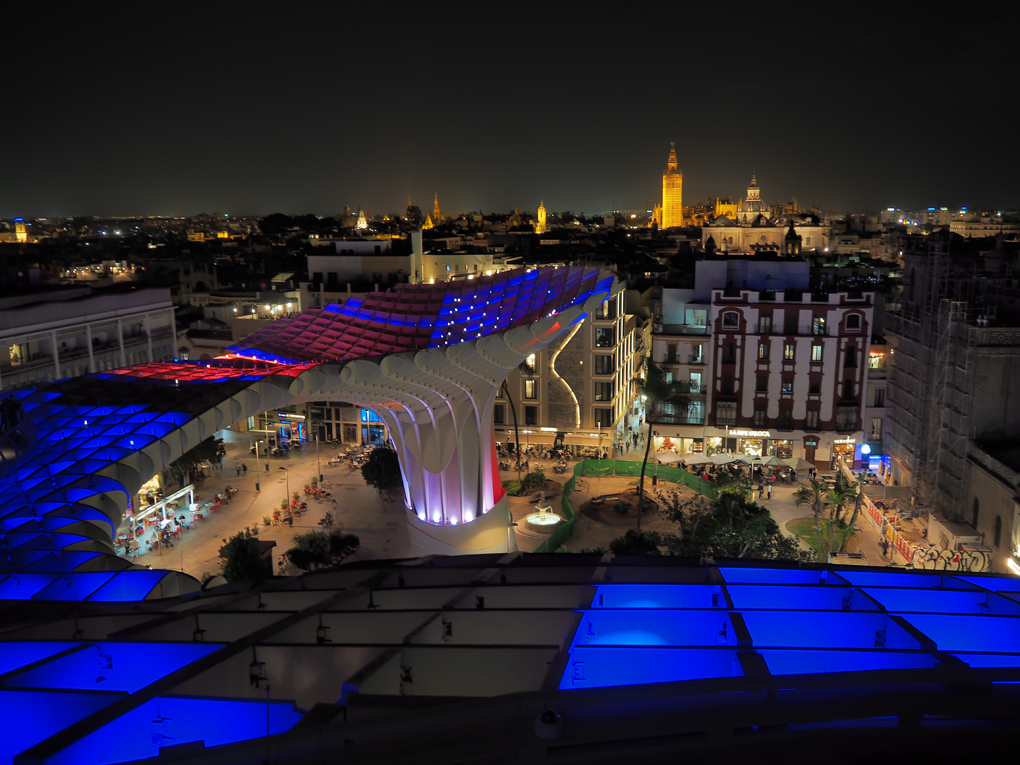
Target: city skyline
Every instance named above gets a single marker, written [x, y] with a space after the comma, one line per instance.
[188, 114]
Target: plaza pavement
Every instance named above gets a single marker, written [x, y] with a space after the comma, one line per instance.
[381, 525]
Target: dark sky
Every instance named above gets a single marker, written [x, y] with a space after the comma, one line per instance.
[164, 110]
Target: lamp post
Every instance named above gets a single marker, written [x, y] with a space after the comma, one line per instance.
[285, 470]
[257, 477]
[318, 467]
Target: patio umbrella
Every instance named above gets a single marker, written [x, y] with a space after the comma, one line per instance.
[723, 459]
[696, 459]
[773, 462]
[749, 459]
[799, 463]
[668, 458]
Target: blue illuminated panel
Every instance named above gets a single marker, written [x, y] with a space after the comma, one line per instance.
[777, 576]
[109, 666]
[793, 662]
[599, 667]
[33, 716]
[170, 721]
[969, 633]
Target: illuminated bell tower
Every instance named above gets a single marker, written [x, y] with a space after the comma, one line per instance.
[541, 228]
[437, 216]
[20, 232]
[362, 223]
[672, 192]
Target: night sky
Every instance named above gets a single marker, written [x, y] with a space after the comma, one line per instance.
[250, 111]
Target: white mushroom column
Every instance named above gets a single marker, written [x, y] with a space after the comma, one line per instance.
[438, 406]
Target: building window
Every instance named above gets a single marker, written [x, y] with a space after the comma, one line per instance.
[785, 417]
[725, 413]
[848, 389]
[763, 384]
[791, 318]
[788, 351]
[606, 311]
[530, 365]
[729, 356]
[531, 389]
[731, 319]
[998, 531]
[498, 414]
[818, 324]
[811, 420]
[603, 418]
[876, 429]
[603, 391]
[853, 321]
[605, 337]
[671, 353]
[815, 385]
[759, 415]
[765, 324]
[531, 415]
[851, 357]
[879, 397]
[787, 385]
[763, 350]
[816, 353]
[727, 385]
[846, 418]
[499, 392]
[695, 382]
[697, 356]
[603, 364]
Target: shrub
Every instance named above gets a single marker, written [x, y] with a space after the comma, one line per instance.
[535, 479]
[515, 489]
[621, 508]
[320, 548]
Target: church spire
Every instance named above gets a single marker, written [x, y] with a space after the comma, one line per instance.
[671, 162]
[437, 216]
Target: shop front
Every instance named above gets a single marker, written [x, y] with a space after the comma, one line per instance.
[292, 427]
[843, 449]
[761, 443]
[373, 429]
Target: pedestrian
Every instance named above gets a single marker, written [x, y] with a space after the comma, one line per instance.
[885, 548]
[769, 492]
[238, 470]
[761, 489]
[244, 468]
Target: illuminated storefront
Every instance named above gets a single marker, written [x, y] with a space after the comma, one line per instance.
[843, 449]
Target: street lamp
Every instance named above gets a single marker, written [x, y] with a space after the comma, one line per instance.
[288, 483]
[318, 468]
[257, 465]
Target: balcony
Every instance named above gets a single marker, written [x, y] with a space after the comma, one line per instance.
[658, 328]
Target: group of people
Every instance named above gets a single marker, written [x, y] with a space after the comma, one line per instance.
[10, 413]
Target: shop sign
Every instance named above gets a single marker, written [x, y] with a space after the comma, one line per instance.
[811, 442]
[751, 433]
[845, 441]
[287, 416]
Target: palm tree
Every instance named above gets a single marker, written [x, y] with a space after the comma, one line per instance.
[659, 394]
[815, 494]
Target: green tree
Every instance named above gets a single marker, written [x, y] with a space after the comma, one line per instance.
[637, 543]
[814, 494]
[210, 450]
[729, 527]
[830, 508]
[321, 548]
[662, 398]
[241, 559]
[382, 470]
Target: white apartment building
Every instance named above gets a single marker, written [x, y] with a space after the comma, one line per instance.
[70, 331]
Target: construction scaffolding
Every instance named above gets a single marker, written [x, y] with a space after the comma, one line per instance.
[931, 380]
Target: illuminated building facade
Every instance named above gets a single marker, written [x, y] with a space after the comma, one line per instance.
[672, 193]
[774, 371]
[541, 226]
[578, 387]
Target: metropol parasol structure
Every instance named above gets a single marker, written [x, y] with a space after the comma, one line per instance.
[428, 359]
